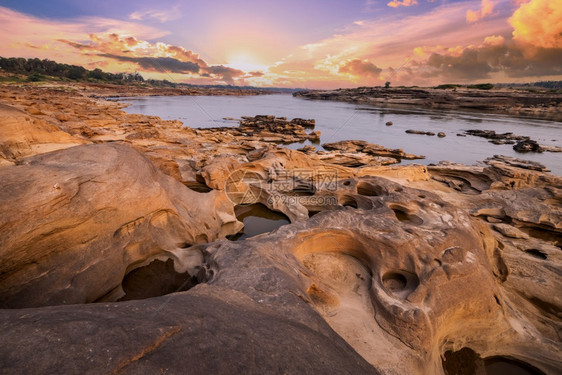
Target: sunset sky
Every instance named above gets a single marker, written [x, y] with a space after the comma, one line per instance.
[295, 43]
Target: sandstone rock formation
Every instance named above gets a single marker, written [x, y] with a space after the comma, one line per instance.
[356, 153]
[21, 136]
[76, 221]
[384, 268]
[273, 129]
[206, 330]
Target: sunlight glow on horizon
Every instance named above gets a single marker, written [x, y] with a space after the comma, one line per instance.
[249, 44]
[246, 62]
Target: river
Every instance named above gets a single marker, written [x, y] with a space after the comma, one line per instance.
[340, 121]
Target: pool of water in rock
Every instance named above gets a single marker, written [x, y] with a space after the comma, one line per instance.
[468, 362]
[257, 219]
[339, 121]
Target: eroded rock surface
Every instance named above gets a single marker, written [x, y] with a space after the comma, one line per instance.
[383, 269]
[75, 221]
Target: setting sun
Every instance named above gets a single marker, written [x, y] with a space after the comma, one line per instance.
[245, 62]
[281, 187]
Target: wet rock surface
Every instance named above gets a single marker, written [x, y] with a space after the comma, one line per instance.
[356, 153]
[382, 269]
[521, 143]
[273, 129]
[420, 132]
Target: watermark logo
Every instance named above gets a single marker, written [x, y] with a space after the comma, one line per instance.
[243, 187]
[313, 201]
[303, 179]
[283, 186]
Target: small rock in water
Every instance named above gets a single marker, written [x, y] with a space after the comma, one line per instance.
[389, 123]
[527, 146]
[314, 136]
[421, 132]
[307, 149]
[441, 135]
[516, 162]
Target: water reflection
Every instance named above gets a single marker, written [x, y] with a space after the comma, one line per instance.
[257, 219]
[339, 121]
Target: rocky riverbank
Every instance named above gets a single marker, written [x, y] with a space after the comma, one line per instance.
[115, 258]
[537, 104]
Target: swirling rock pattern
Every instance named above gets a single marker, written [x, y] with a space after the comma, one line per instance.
[383, 269]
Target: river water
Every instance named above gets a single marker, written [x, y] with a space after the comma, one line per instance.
[341, 121]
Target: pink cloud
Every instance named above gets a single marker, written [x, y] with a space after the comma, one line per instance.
[157, 15]
[486, 8]
[405, 3]
[20, 33]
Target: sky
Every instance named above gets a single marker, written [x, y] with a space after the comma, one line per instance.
[320, 44]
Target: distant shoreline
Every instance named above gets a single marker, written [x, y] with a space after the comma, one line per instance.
[539, 105]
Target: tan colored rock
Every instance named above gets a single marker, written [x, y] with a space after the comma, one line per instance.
[22, 135]
[402, 173]
[370, 149]
[78, 219]
[216, 172]
[510, 231]
[405, 263]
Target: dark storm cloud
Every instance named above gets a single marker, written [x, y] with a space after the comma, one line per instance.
[514, 59]
[158, 64]
[468, 65]
[76, 45]
[225, 73]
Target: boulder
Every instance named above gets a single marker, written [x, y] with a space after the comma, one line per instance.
[218, 170]
[76, 221]
[420, 132]
[22, 135]
[527, 146]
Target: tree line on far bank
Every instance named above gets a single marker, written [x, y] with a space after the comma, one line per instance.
[39, 70]
[35, 69]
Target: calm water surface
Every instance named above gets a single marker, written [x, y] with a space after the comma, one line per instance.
[339, 121]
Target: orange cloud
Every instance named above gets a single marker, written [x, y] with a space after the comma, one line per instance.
[405, 3]
[486, 9]
[360, 68]
[157, 57]
[21, 34]
[494, 40]
[114, 44]
[319, 63]
[539, 23]
[494, 57]
[461, 52]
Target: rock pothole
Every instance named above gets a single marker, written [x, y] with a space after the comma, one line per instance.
[369, 190]
[467, 362]
[536, 253]
[400, 283]
[348, 201]
[158, 278]
[404, 215]
[257, 219]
